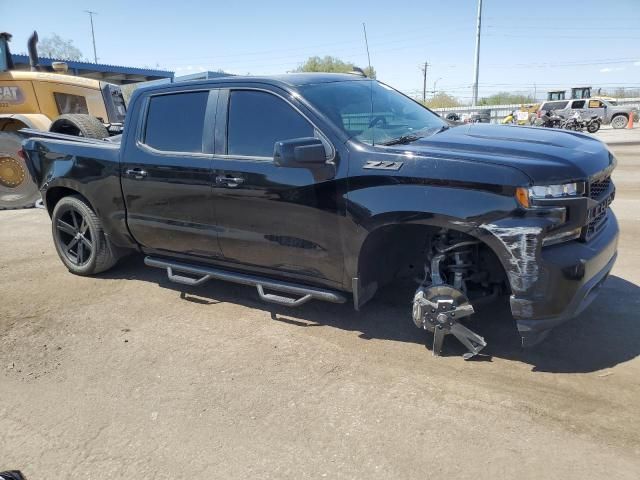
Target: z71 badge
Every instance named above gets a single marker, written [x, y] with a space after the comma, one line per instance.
[11, 94]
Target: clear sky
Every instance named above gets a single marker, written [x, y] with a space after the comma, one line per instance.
[526, 44]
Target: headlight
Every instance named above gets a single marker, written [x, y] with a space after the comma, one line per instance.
[556, 191]
[541, 192]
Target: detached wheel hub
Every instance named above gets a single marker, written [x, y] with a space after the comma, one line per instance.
[11, 172]
[439, 309]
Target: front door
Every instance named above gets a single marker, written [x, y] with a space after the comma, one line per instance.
[596, 107]
[167, 176]
[280, 219]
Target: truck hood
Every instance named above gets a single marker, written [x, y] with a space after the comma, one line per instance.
[545, 155]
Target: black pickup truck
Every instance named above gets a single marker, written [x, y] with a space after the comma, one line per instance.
[330, 186]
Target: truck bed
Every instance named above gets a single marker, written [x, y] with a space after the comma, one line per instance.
[52, 153]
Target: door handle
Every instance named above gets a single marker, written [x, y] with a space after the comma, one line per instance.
[136, 173]
[231, 182]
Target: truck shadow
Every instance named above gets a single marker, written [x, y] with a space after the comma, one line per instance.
[605, 335]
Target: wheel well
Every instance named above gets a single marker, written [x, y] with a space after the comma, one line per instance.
[55, 194]
[399, 251]
[11, 125]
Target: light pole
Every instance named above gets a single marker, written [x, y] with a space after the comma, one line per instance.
[93, 35]
[477, 65]
[434, 86]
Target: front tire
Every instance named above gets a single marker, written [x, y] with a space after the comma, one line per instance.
[619, 121]
[593, 127]
[79, 238]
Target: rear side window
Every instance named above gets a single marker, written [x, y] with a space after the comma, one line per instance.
[554, 105]
[257, 120]
[578, 104]
[70, 103]
[175, 122]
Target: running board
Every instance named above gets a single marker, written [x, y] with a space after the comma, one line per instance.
[204, 274]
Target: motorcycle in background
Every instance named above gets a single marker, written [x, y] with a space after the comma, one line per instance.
[548, 119]
[576, 123]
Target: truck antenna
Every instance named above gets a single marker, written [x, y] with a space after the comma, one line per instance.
[366, 43]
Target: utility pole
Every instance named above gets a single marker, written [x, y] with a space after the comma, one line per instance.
[93, 35]
[477, 67]
[424, 82]
[366, 42]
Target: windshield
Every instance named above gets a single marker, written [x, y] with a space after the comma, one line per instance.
[613, 103]
[370, 111]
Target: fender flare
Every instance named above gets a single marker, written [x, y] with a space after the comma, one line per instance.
[37, 121]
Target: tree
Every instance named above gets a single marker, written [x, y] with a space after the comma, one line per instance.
[506, 98]
[332, 65]
[442, 100]
[57, 47]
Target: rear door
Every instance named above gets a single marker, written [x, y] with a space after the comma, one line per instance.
[167, 176]
[275, 218]
[578, 106]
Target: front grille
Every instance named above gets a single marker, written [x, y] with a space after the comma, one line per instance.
[596, 224]
[599, 188]
[602, 191]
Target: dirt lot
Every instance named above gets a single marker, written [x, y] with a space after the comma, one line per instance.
[128, 376]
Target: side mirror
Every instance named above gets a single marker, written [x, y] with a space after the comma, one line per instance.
[299, 153]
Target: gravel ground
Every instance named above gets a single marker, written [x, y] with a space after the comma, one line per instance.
[127, 376]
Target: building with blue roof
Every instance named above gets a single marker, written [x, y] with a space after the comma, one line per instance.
[109, 73]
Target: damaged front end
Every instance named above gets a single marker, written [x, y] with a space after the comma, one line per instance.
[557, 254]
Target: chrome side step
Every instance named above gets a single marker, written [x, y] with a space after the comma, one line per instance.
[203, 274]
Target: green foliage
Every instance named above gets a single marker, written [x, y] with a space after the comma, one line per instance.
[506, 98]
[442, 100]
[332, 65]
[57, 47]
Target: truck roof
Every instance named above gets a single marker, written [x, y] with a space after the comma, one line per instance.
[288, 79]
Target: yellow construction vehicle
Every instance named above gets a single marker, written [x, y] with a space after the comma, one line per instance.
[49, 101]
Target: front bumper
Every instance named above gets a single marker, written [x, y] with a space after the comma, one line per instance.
[571, 275]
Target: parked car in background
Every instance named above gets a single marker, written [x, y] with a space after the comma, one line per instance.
[608, 110]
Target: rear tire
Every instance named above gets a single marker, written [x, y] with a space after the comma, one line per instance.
[79, 238]
[79, 125]
[619, 121]
[17, 188]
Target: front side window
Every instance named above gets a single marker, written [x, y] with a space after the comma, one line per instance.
[370, 111]
[595, 104]
[175, 122]
[67, 103]
[257, 120]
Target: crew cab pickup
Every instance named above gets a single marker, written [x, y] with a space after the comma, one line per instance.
[331, 186]
[607, 109]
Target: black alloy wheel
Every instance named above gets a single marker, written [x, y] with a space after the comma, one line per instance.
[74, 236]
